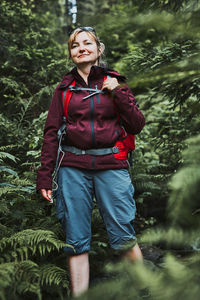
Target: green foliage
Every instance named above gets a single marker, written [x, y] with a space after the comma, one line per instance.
[142, 282]
[26, 243]
[185, 185]
[20, 274]
[33, 60]
[27, 279]
[177, 277]
[156, 45]
[19, 279]
[162, 65]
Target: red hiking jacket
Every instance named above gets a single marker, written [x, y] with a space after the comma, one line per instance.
[92, 123]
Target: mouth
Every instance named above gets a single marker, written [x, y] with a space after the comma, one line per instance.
[82, 55]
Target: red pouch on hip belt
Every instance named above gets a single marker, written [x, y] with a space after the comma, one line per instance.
[125, 146]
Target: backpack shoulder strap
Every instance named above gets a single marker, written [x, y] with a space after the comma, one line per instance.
[66, 96]
[128, 138]
[118, 117]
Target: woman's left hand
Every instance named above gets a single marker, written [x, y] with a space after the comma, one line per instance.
[110, 84]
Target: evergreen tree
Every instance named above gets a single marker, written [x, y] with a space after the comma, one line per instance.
[33, 60]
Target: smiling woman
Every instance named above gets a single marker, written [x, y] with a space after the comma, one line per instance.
[93, 164]
[84, 50]
[88, 37]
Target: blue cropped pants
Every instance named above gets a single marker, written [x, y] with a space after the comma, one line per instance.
[113, 191]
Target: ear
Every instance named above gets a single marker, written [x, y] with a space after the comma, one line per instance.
[101, 49]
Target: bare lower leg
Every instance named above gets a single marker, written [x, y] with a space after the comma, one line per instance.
[79, 273]
[135, 254]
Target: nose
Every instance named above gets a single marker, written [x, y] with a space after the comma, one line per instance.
[81, 48]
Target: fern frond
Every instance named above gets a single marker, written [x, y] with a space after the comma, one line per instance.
[19, 278]
[7, 147]
[7, 272]
[6, 188]
[27, 243]
[46, 223]
[53, 275]
[8, 170]
[4, 155]
[22, 182]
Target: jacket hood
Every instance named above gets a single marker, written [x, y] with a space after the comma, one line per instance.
[66, 80]
[95, 72]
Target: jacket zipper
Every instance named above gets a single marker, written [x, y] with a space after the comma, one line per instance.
[92, 120]
[92, 125]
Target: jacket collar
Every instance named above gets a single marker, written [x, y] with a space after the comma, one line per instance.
[95, 72]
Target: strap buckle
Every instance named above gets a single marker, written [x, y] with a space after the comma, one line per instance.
[95, 93]
[72, 88]
[77, 89]
[115, 150]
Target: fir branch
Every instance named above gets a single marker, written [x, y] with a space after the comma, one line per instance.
[172, 237]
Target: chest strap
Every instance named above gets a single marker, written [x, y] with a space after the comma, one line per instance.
[95, 91]
[97, 152]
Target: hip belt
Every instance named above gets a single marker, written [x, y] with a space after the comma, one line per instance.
[100, 151]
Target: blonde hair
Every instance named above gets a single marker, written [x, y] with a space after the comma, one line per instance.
[92, 33]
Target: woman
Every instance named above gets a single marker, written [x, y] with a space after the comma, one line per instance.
[100, 104]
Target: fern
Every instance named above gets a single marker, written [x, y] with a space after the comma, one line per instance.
[27, 277]
[53, 275]
[4, 155]
[19, 278]
[8, 170]
[28, 243]
[6, 188]
[3, 148]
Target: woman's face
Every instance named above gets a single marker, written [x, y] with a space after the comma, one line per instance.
[84, 49]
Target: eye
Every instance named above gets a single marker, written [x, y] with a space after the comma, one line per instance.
[74, 46]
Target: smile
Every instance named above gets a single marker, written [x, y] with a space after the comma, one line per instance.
[82, 55]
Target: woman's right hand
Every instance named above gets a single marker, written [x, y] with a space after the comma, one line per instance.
[47, 194]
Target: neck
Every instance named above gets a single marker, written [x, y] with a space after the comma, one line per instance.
[84, 71]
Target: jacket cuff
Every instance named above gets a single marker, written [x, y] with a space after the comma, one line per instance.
[46, 184]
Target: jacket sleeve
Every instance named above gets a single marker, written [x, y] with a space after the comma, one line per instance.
[130, 115]
[50, 143]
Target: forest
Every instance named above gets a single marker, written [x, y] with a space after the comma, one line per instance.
[155, 44]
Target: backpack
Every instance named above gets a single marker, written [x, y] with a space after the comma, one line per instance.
[126, 144]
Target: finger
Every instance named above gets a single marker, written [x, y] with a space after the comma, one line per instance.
[49, 194]
[106, 86]
[105, 83]
[114, 83]
[103, 86]
[110, 84]
[46, 194]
